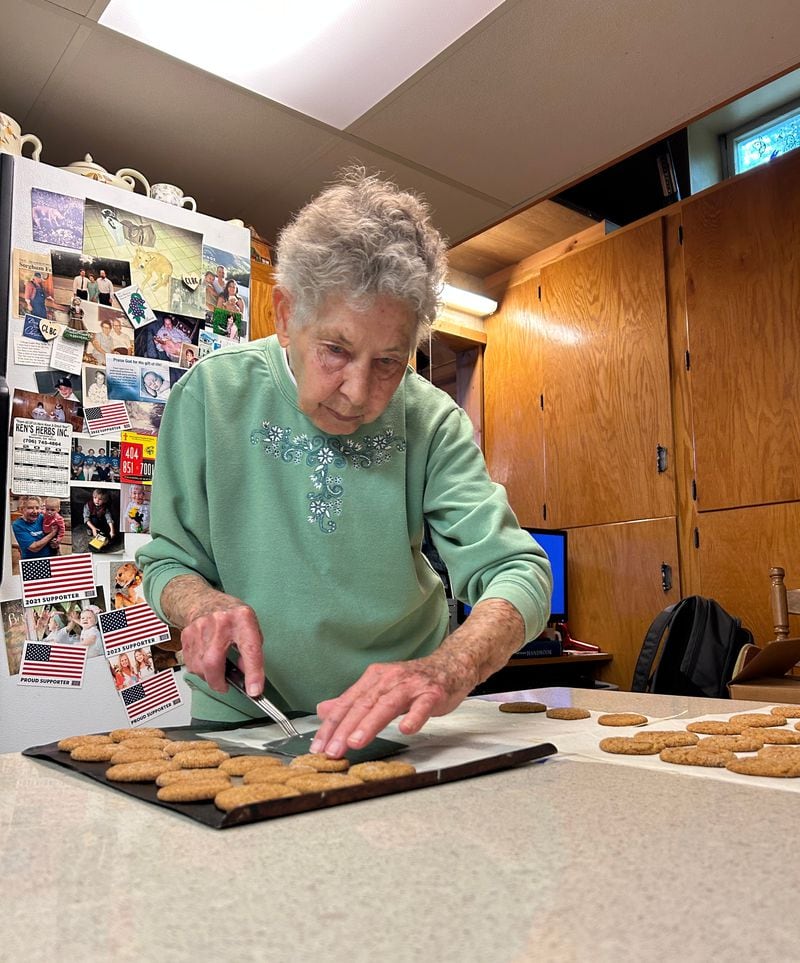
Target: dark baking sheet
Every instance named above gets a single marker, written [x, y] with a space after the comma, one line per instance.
[207, 813]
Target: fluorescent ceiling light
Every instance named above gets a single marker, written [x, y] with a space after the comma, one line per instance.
[466, 301]
[330, 59]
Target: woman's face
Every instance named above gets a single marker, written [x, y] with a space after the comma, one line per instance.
[124, 662]
[347, 363]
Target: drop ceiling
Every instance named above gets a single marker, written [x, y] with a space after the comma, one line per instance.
[533, 97]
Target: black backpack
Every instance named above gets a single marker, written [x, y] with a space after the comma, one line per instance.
[697, 643]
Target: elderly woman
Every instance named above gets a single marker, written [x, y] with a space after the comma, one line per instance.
[339, 453]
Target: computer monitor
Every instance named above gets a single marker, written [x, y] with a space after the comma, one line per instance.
[554, 542]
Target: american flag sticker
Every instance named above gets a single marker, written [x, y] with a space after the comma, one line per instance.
[52, 665]
[131, 628]
[151, 697]
[109, 417]
[60, 578]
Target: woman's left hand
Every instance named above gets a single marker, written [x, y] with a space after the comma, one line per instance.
[422, 688]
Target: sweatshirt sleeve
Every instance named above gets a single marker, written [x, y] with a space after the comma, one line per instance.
[179, 510]
[475, 531]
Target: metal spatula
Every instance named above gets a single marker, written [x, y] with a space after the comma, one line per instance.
[297, 743]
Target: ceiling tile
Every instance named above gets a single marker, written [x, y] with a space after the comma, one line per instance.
[543, 94]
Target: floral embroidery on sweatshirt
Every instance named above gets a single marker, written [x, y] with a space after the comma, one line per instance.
[325, 456]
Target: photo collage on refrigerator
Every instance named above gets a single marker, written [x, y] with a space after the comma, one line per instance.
[109, 309]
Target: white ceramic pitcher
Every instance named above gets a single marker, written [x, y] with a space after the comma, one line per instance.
[12, 140]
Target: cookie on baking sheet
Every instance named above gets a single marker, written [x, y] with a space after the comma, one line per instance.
[622, 719]
[712, 727]
[239, 765]
[228, 799]
[138, 771]
[776, 737]
[184, 775]
[70, 742]
[118, 735]
[199, 758]
[773, 765]
[522, 707]
[320, 762]
[323, 781]
[626, 746]
[756, 720]
[173, 746]
[94, 752]
[193, 790]
[788, 752]
[379, 769]
[667, 738]
[788, 712]
[570, 712]
[695, 756]
[133, 754]
[275, 774]
[742, 743]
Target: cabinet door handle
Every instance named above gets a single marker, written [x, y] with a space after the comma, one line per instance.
[661, 458]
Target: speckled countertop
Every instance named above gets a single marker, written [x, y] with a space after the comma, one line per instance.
[555, 861]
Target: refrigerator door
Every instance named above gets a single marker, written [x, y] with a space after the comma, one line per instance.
[28, 715]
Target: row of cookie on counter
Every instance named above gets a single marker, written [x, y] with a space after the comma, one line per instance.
[199, 771]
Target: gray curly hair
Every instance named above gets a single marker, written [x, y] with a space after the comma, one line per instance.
[360, 238]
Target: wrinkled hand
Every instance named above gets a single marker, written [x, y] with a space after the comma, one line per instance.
[422, 688]
[207, 638]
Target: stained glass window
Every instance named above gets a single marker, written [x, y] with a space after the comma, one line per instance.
[758, 144]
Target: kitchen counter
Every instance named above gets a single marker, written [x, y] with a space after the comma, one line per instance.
[556, 861]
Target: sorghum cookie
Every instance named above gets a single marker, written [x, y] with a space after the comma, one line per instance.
[173, 746]
[94, 752]
[773, 765]
[229, 799]
[776, 737]
[239, 765]
[193, 790]
[756, 720]
[712, 727]
[138, 771]
[68, 744]
[694, 756]
[570, 712]
[789, 752]
[522, 707]
[118, 735]
[133, 754]
[667, 738]
[626, 746]
[275, 774]
[322, 781]
[742, 743]
[320, 762]
[380, 769]
[621, 719]
[199, 758]
[788, 712]
[184, 775]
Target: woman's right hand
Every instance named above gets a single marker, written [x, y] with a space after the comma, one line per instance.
[212, 622]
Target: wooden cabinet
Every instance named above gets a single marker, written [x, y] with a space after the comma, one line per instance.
[512, 385]
[262, 318]
[615, 587]
[742, 261]
[692, 345]
[607, 411]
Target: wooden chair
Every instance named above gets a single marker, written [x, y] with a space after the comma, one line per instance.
[785, 602]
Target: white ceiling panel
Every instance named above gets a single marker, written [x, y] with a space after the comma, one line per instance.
[545, 93]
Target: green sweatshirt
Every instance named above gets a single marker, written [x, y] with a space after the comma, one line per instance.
[321, 534]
